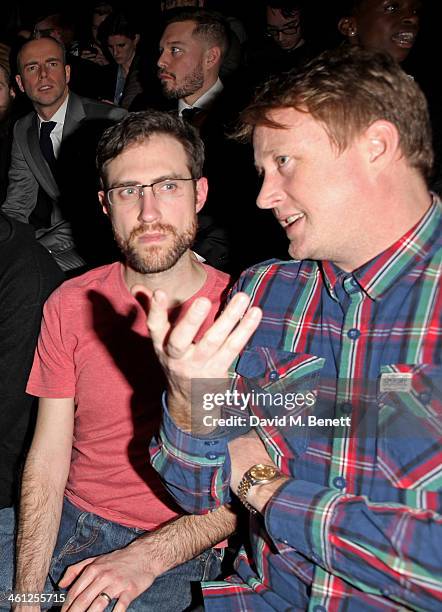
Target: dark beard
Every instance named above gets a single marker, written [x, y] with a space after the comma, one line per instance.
[192, 83]
[150, 260]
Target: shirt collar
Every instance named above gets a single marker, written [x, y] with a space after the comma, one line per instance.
[59, 116]
[205, 100]
[379, 274]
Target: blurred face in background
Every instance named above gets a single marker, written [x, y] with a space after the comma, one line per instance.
[122, 49]
[283, 28]
[384, 25]
[7, 94]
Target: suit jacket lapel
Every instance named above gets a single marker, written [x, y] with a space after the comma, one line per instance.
[74, 115]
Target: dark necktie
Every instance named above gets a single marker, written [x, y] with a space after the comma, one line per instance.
[41, 215]
[189, 114]
[46, 147]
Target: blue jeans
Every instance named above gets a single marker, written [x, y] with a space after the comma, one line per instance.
[7, 547]
[83, 534]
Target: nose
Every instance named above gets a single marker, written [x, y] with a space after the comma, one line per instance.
[149, 209]
[42, 71]
[161, 63]
[410, 15]
[270, 195]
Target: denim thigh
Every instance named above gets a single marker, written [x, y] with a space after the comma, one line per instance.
[83, 534]
[7, 555]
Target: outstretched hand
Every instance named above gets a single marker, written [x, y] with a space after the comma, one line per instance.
[183, 358]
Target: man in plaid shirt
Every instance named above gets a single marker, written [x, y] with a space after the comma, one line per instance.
[342, 481]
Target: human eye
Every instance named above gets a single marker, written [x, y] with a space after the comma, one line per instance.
[282, 160]
[126, 194]
[391, 7]
[167, 187]
[176, 50]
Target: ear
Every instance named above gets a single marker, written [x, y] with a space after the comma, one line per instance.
[213, 57]
[12, 92]
[19, 83]
[202, 189]
[382, 143]
[348, 28]
[67, 70]
[103, 202]
[137, 39]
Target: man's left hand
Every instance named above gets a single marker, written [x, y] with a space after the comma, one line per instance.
[122, 574]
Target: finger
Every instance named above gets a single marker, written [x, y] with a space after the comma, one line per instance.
[217, 334]
[73, 571]
[158, 319]
[184, 332]
[235, 341]
[90, 598]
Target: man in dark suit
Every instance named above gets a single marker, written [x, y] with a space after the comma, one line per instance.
[192, 48]
[52, 171]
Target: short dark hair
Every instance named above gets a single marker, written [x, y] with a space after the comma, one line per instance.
[118, 24]
[346, 90]
[136, 128]
[33, 39]
[210, 27]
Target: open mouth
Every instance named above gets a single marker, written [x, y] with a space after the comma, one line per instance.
[404, 39]
[291, 220]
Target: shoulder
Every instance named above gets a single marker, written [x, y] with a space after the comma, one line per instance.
[23, 123]
[273, 279]
[94, 109]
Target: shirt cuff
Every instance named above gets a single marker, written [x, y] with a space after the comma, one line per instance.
[299, 515]
[207, 458]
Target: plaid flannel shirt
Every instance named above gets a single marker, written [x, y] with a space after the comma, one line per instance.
[358, 526]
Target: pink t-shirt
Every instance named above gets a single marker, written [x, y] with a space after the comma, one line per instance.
[94, 347]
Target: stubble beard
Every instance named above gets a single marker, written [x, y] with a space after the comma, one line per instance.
[147, 259]
[191, 84]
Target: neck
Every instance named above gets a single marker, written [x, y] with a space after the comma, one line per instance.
[180, 282]
[47, 112]
[209, 82]
[400, 207]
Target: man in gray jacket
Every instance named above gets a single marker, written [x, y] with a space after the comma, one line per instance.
[51, 144]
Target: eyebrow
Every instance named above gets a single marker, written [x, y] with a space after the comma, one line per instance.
[134, 182]
[48, 59]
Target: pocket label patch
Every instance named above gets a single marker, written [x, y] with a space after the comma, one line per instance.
[395, 382]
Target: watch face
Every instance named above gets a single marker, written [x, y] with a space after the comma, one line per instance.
[263, 472]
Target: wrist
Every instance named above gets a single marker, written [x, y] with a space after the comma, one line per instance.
[260, 495]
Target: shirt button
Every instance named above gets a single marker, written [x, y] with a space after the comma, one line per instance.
[273, 375]
[346, 408]
[211, 442]
[212, 455]
[339, 482]
[353, 333]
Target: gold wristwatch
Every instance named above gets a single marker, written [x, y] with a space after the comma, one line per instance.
[257, 474]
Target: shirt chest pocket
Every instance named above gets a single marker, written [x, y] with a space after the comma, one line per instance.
[283, 389]
[409, 430]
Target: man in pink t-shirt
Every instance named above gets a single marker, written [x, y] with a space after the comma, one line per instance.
[90, 499]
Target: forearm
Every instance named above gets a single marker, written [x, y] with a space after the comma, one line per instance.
[184, 539]
[39, 519]
[387, 549]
